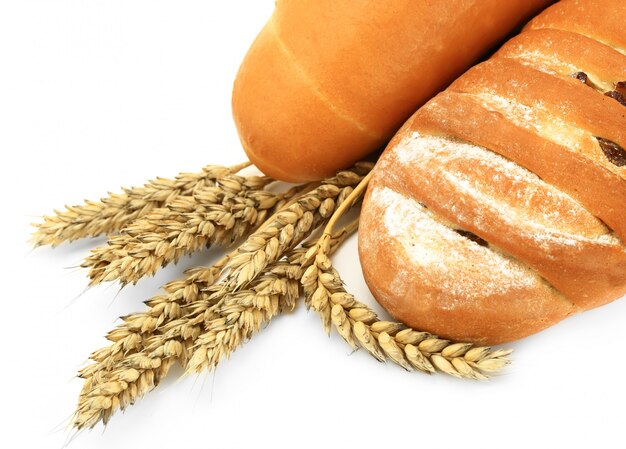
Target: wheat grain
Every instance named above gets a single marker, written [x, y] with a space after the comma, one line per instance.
[110, 214]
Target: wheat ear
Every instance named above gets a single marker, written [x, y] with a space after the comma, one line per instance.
[385, 340]
[300, 217]
[136, 361]
[146, 345]
[272, 285]
[187, 224]
[110, 214]
[243, 313]
[130, 336]
[230, 319]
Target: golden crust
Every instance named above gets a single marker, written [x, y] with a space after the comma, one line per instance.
[598, 188]
[328, 82]
[269, 119]
[507, 206]
[601, 20]
[509, 154]
[490, 301]
[566, 53]
[567, 99]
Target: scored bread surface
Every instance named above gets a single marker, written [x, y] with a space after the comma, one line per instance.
[499, 208]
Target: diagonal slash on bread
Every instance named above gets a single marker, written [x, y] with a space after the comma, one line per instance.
[499, 208]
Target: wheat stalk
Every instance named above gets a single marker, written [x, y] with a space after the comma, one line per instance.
[110, 214]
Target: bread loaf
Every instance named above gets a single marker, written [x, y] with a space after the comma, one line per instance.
[499, 208]
[327, 82]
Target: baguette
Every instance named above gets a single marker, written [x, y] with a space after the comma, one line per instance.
[327, 82]
[499, 208]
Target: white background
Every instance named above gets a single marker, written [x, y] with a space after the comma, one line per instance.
[99, 94]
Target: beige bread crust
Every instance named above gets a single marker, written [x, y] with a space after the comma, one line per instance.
[598, 188]
[326, 83]
[601, 20]
[567, 53]
[499, 300]
[508, 159]
[584, 109]
[515, 211]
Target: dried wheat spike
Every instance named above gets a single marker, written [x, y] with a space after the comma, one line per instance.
[112, 386]
[147, 344]
[276, 237]
[230, 319]
[110, 214]
[186, 225]
[384, 340]
[130, 336]
[203, 327]
[243, 313]
[123, 372]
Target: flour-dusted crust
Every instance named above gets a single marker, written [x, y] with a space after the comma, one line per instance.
[418, 268]
[601, 20]
[497, 210]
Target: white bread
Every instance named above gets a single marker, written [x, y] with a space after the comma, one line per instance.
[499, 208]
[327, 82]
